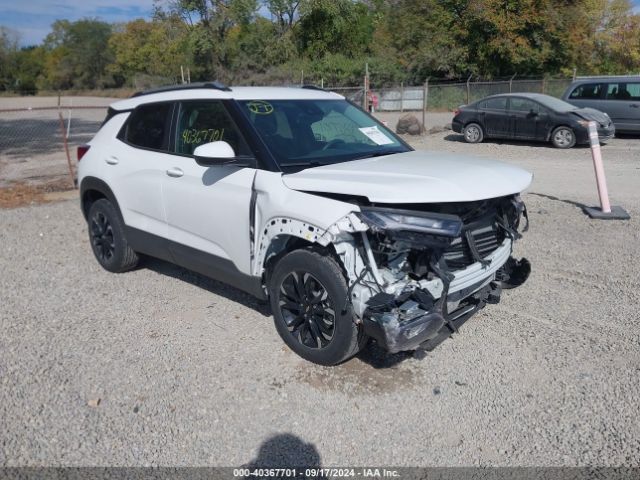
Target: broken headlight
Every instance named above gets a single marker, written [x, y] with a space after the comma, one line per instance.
[409, 220]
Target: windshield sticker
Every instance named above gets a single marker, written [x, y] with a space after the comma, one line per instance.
[376, 136]
[260, 107]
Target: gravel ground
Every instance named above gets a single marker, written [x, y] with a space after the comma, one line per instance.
[161, 366]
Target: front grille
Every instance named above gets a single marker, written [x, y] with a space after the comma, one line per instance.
[488, 236]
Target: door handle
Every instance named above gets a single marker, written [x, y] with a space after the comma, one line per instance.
[175, 172]
[111, 160]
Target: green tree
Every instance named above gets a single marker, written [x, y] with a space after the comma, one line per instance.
[8, 49]
[156, 49]
[335, 26]
[78, 54]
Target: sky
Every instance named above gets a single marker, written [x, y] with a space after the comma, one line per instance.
[32, 19]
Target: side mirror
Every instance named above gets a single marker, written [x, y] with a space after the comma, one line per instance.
[217, 153]
[533, 113]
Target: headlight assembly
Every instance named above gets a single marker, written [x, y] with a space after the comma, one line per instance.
[408, 220]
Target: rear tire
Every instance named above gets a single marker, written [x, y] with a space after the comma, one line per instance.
[308, 293]
[106, 234]
[563, 137]
[473, 133]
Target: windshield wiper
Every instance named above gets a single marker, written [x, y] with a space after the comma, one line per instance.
[377, 154]
[312, 163]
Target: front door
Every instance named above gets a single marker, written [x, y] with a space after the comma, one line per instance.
[207, 208]
[525, 115]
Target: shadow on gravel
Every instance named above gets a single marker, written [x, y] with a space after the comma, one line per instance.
[456, 137]
[378, 358]
[213, 286]
[556, 199]
[285, 451]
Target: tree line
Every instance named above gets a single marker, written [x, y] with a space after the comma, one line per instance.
[292, 41]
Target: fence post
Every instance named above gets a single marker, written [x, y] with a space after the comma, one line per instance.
[468, 89]
[425, 98]
[575, 72]
[66, 148]
[401, 97]
[365, 98]
[544, 82]
[511, 82]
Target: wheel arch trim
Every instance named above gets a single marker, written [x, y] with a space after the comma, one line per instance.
[94, 184]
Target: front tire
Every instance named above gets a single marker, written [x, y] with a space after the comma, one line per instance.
[106, 234]
[308, 294]
[563, 137]
[473, 133]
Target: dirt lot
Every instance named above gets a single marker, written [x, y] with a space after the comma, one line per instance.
[161, 366]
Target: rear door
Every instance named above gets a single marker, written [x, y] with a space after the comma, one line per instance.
[622, 103]
[496, 117]
[208, 208]
[137, 164]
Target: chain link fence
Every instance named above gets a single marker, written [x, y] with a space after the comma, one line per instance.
[38, 144]
[448, 96]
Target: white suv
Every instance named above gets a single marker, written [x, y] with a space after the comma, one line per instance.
[297, 196]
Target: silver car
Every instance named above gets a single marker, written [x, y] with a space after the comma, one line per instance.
[617, 96]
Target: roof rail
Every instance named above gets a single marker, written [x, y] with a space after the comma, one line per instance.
[187, 86]
[586, 77]
[314, 87]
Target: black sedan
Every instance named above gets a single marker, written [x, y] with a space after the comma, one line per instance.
[530, 116]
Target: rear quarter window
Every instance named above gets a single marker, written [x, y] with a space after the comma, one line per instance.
[148, 127]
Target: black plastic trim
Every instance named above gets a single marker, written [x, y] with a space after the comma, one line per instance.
[212, 266]
[215, 85]
[95, 184]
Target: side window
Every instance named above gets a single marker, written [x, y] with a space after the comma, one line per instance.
[523, 105]
[499, 103]
[623, 91]
[203, 122]
[587, 91]
[148, 126]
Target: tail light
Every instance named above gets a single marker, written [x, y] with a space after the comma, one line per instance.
[456, 112]
[82, 150]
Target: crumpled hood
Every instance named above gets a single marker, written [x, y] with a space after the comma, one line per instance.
[414, 177]
[592, 114]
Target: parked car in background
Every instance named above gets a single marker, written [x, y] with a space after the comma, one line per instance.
[530, 116]
[619, 97]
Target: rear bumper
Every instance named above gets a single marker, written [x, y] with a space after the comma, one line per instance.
[456, 126]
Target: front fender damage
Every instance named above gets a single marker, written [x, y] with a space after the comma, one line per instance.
[412, 291]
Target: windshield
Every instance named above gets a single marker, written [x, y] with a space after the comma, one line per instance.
[556, 104]
[307, 133]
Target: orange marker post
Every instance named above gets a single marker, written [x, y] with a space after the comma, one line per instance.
[606, 211]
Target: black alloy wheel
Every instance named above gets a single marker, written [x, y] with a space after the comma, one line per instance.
[307, 309]
[102, 237]
[308, 295]
[108, 242]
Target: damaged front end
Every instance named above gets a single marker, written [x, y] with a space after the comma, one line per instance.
[426, 269]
